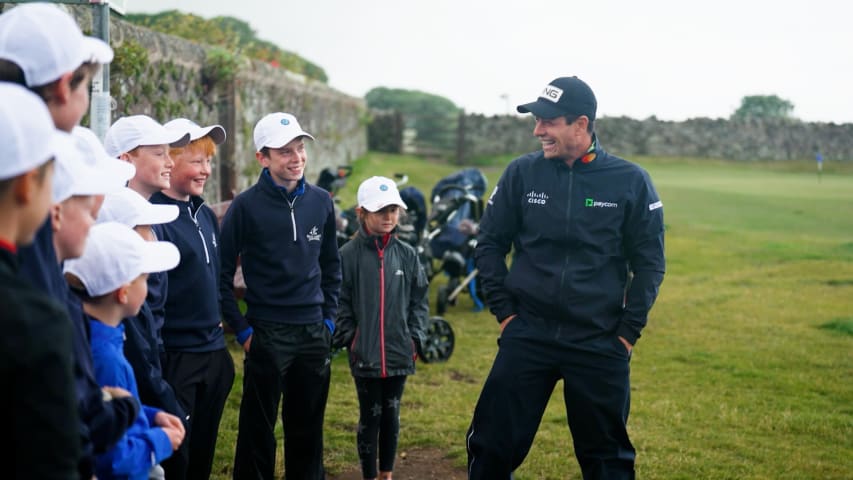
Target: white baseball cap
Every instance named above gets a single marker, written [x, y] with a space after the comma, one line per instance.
[133, 131]
[46, 43]
[277, 130]
[28, 136]
[95, 155]
[376, 193]
[128, 207]
[115, 255]
[216, 132]
[74, 176]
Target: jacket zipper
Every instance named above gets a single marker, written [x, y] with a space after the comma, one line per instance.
[568, 228]
[292, 214]
[200, 234]
[382, 309]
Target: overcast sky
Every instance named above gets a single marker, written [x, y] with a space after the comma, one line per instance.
[668, 58]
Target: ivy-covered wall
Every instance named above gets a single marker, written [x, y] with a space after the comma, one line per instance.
[168, 77]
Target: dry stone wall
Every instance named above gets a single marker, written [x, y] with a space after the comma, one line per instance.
[773, 140]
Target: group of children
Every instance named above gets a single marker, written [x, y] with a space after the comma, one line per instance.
[115, 279]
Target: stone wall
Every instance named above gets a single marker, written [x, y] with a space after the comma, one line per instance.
[775, 140]
[171, 81]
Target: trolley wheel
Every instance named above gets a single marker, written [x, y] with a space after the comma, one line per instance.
[439, 342]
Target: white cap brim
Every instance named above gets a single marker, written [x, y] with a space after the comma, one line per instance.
[128, 207]
[280, 141]
[97, 51]
[159, 257]
[156, 214]
[376, 206]
[96, 157]
[216, 133]
[118, 170]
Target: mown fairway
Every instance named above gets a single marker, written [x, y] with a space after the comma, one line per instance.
[745, 370]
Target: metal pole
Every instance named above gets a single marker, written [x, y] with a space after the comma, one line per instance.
[99, 110]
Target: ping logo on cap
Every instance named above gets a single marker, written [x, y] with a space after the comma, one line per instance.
[285, 121]
[383, 187]
[551, 93]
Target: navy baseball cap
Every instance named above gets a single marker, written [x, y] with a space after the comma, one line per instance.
[563, 96]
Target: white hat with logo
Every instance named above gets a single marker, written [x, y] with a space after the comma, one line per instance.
[26, 140]
[46, 43]
[277, 130]
[376, 193]
[216, 132]
[115, 255]
[127, 133]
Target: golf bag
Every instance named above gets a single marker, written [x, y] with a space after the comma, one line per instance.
[457, 206]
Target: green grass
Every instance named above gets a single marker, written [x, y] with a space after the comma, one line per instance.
[745, 370]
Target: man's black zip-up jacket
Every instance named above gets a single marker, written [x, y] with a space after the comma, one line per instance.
[576, 232]
[192, 318]
[288, 254]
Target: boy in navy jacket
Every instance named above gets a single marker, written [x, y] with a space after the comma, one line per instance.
[283, 230]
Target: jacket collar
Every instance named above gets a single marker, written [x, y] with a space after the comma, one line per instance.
[106, 333]
[267, 181]
[195, 201]
[375, 241]
[590, 159]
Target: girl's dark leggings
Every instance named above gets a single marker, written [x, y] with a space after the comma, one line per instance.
[379, 422]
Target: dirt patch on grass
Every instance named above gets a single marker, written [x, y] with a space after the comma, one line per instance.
[420, 464]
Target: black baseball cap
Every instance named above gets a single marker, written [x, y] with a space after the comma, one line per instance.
[563, 96]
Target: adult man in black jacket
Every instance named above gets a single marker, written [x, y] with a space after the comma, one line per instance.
[581, 223]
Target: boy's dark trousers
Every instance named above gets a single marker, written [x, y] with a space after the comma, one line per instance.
[202, 382]
[293, 362]
[517, 390]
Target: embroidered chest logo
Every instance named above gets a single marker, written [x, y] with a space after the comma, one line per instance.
[597, 204]
[537, 198]
[213, 240]
[314, 235]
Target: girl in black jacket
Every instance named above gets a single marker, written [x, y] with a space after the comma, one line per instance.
[381, 319]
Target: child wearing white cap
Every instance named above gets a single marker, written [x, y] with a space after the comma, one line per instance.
[111, 277]
[142, 343]
[382, 320]
[78, 191]
[283, 231]
[42, 48]
[195, 359]
[36, 356]
[142, 141]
